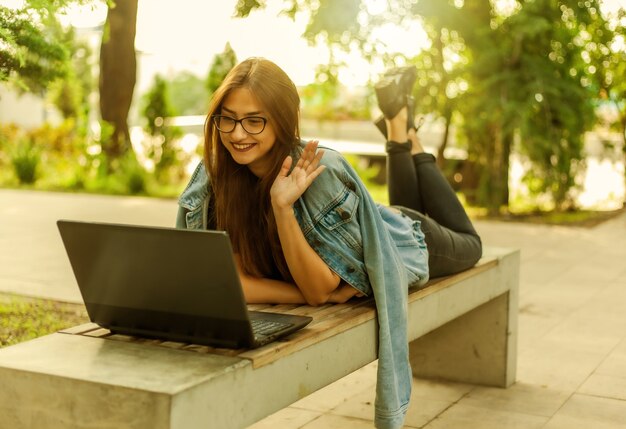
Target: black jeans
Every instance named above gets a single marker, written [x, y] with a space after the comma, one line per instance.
[417, 187]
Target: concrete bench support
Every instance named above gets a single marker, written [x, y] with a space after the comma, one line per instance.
[479, 346]
[470, 349]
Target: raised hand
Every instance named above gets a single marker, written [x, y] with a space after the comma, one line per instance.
[289, 186]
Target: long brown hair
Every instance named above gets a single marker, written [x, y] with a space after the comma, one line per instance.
[241, 200]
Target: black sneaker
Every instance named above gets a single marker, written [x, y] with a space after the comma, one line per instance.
[394, 88]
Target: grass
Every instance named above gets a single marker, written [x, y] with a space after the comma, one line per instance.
[574, 218]
[22, 319]
[518, 213]
[582, 218]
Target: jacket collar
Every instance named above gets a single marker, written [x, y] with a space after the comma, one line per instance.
[197, 190]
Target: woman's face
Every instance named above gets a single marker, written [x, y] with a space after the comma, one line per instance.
[245, 148]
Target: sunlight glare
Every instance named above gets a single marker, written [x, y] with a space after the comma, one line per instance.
[376, 7]
[408, 41]
[505, 8]
[13, 4]
[84, 16]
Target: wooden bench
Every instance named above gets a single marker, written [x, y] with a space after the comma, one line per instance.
[462, 328]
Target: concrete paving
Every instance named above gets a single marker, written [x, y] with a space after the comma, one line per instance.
[572, 320]
[32, 258]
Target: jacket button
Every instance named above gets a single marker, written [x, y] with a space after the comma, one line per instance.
[351, 270]
[344, 214]
[351, 186]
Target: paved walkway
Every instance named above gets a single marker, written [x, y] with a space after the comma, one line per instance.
[572, 321]
[32, 258]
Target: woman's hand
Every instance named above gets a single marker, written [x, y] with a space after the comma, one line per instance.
[343, 293]
[288, 187]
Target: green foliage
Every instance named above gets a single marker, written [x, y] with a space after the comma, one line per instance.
[64, 159]
[336, 20]
[29, 55]
[188, 94]
[368, 173]
[67, 96]
[8, 134]
[133, 175]
[244, 7]
[46, 155]
[222, 64]
[328, 99]
[552, 102]
[531, 74]
[157, 108]
[122, 176]
[71, 94]
[25, 159]
[607, 56]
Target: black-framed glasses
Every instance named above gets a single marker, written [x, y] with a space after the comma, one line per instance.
[250, 124]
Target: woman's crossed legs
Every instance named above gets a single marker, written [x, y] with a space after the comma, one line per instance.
[417, 187]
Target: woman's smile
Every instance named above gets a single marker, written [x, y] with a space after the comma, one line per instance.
[243, 147]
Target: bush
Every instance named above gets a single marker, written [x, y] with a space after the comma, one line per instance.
[133, 175]
[25, 160]
[8, 133]
[64, 158]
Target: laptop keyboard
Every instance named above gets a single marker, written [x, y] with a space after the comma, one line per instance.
[267, 327]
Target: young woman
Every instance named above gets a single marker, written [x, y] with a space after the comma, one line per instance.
[304, 228]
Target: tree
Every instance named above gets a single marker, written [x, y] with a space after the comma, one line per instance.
[157, 108]
[554, 104]
[607, 57]
[221, 65]
[507, 75]
[29, 55]
[70, 94]
[188, 94]
[118, 71]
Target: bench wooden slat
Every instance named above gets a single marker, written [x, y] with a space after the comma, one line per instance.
[258, 307]
[122, 337]
[81, 329]
[173, 344]
[98, 333]
[306, 337]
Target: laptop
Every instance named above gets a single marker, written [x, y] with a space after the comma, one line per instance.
[167, 283]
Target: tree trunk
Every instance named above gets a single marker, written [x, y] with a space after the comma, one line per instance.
[495, 165]
[441, 159]
[623, 122]
[118, 73]
[494, 172]
[506, 167]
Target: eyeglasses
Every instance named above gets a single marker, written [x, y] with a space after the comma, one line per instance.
[250, 124]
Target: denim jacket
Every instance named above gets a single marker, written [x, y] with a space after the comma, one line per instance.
[375, 249]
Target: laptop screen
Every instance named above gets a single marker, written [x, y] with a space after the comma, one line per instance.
[150, 268]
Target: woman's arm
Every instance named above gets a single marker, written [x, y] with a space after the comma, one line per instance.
[258, 290]
[313, 277]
